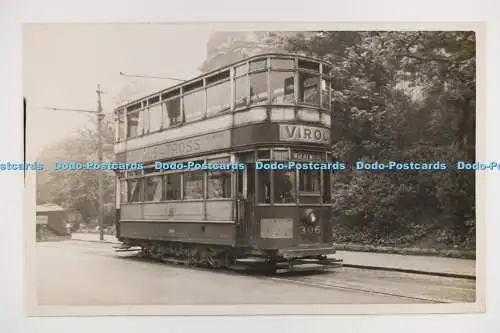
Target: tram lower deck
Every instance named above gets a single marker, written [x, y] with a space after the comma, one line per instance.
[220, 217]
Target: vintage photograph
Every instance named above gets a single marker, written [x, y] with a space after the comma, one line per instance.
[218, 169]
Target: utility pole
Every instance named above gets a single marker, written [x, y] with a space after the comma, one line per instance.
[100, 117]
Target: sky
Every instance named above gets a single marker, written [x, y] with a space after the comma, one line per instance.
[63, 63]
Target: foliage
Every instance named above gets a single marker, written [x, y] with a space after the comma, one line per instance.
[401, 96]
[78, 189]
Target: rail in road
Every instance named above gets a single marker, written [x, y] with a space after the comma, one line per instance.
[427, 289]
[411, 264]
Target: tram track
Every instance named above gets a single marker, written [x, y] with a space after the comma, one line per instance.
[361, 290]
[402, 285]
[342, 279]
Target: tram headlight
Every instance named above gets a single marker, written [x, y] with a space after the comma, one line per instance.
[310, 216]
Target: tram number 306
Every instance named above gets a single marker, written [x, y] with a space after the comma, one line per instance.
[310, 230]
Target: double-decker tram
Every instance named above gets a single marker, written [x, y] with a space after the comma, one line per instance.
[227, 177]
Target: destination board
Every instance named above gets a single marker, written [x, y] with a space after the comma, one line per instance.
[203, 143]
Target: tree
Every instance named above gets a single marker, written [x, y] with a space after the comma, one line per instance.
[401, 96]
[78, 189]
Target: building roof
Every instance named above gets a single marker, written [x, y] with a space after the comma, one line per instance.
[49, 208]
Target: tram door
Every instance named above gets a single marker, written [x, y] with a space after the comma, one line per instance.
[245, 188]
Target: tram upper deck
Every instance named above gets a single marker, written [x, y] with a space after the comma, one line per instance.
[265, 99]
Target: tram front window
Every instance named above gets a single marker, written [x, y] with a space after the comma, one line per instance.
[284, 187]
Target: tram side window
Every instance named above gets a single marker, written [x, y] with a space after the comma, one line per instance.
[172, 185]
[309, 88]
[193, 186]
[309, 181]
[121, 128]
[327, 188]
[140, 124]
[309, 186]
[282, 87]
[155, 116]
[241, 91]
[219, 98]
[132, 124]
[219, 184]
[173, 111]
[123, 191]
[258, 88]
[134, 190]
[284, 186]
[264, 186]
[194, 106]
[153, 188]
[325, 94]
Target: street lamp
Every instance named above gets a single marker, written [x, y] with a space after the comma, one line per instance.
[100, 117]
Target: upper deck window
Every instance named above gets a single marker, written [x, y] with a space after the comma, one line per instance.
[155, 117]
[241, 90]
[218, 93]
[327, 70]
[308, 65]
[282, 87]
[241, 70]
[309, 85]
[258, 65]
[132, 124]
[172, 112]
[258, 87]
[282, 63]
[325, 93]
[121, 126]
[141, 122]
[272, 79]
[194, 105]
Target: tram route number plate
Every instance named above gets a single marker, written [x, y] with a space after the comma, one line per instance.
[276, 228]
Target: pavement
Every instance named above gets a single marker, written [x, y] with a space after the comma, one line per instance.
[428, 265]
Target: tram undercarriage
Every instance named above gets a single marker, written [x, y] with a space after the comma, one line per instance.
[225, 257]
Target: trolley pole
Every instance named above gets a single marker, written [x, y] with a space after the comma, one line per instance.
[100, 117]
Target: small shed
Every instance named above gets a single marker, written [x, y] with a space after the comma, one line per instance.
[51, 217]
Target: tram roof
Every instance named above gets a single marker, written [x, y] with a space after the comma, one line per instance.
[221, 69]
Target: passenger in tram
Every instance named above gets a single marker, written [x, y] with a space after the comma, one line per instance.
[284, 188]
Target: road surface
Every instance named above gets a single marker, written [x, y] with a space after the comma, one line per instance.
[465, 267]
[87, 273]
